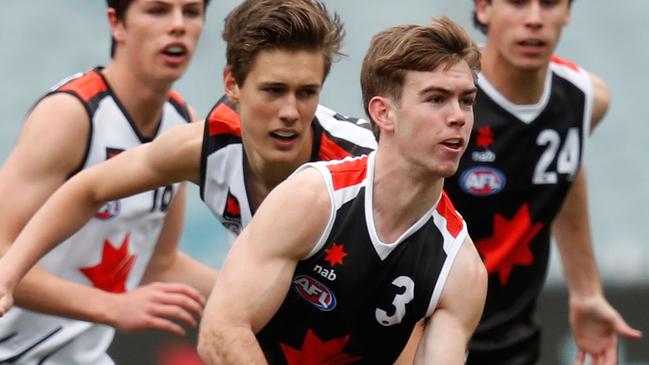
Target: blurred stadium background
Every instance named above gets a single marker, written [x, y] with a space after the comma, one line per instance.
[44, 41]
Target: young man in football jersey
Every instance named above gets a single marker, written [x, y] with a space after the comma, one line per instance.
[345, 257]
[91, 280]
[522, 180]
[279, 53]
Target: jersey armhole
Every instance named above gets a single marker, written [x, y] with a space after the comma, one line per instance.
[326, 176]
[205, 151]
[452, 250]
[89, 113]
[180, 105]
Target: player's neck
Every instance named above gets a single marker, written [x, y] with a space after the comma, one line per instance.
[398, 203]
[262, 176]
[520, 86]
[142, 100]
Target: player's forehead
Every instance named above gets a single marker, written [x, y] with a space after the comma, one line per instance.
[282, 65]
[165, 3]
[457, 78]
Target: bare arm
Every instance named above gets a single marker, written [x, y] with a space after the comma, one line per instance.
[601, 100]
[448, 330]
[151, 165]
[595, 324]
[244, 300]
[168, 264]
[50, 147]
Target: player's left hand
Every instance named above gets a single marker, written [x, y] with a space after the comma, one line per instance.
[596, 326]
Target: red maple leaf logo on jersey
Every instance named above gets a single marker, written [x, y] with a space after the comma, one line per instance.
[317, 352]
[485, 137]
[111, 273]
[335, 254]
[510, 243]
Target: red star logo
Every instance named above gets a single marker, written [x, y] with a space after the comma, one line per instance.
[232, 207]
[335, 254]
[317, 352]
[510, 243]
[111, 273]
[485, 137]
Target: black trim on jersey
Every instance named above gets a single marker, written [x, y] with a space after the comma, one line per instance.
[245, 169]
[7, 338]
[136, 130]
[356, 121]
[47, 356]
[204, 153]
[351, 147]
[182, 109]
[90, 110]
[17, 357]
[317, 137]
[90, 106]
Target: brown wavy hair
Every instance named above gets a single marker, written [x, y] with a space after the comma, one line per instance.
[292, 25]
[397, 50]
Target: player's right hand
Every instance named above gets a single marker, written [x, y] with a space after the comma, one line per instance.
[6, 301]
[162, 306]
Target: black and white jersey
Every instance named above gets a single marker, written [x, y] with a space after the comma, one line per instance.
[355, 299]
[510, 185]
[223, 185]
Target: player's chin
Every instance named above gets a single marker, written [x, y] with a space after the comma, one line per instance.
[171, 73]
[281, 156]
[447, 169]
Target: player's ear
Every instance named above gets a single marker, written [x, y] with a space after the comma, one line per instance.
[566, 21]
[116, 26]
[483, 11]
[230, 85]
[381, 110]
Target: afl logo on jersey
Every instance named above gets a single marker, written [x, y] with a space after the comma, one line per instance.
[482, 181]
[314, 292]
[109, 210]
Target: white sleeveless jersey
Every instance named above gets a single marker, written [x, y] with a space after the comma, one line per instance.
[222, 160]
[111, 252]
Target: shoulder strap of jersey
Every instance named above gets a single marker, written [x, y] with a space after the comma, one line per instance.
[337, 136]
[180, 105]
[454, 232]
[89, 88]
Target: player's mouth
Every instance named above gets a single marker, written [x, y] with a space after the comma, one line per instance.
[532, 45]
[454, 144]
[284, 138]
[175, 53]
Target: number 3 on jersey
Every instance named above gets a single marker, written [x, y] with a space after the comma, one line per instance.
[567, 159]
[399, 302]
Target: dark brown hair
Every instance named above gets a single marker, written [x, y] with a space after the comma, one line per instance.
[120, 7]
[293, 25]
[397, 50]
